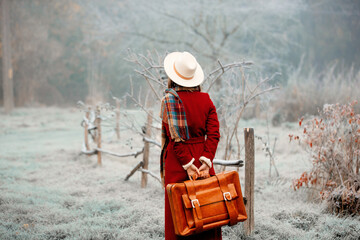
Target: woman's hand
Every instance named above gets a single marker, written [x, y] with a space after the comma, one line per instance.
[193, 172]
[204, 169]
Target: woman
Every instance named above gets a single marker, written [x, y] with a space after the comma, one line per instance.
[190, 131]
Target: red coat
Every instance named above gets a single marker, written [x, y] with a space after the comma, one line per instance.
[202, 121]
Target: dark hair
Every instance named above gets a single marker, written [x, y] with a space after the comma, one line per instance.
[172, 84]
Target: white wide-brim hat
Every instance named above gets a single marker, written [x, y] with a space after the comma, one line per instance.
[183, 69]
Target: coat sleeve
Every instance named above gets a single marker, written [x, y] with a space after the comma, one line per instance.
[212, 133]
[181, 150]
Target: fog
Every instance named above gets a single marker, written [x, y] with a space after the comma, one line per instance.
[70, 50]
[80, 132]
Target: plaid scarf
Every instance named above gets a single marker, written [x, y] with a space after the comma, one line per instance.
[173, 113]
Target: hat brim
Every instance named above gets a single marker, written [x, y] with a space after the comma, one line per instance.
[169, 69]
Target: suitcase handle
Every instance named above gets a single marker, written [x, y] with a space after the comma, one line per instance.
[203, 175]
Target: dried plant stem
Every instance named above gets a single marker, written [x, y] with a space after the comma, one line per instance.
[337, 168]
[246, 101]
[223, 69]
[145, 109]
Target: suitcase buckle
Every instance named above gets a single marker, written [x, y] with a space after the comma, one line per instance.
[192, 202]
[227, 194]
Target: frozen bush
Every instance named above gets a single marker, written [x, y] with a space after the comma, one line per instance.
[332, 141]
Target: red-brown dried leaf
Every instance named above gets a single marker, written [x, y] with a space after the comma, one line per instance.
[300, 122]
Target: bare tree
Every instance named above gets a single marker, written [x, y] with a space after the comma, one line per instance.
[213, 32]
[238, 91]
[8, 85]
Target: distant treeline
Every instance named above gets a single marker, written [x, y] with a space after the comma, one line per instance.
[65, 51]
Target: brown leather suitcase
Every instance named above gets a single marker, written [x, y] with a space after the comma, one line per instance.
[201, 205]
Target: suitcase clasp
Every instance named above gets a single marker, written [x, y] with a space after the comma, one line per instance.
[192, 202]
[225, 194]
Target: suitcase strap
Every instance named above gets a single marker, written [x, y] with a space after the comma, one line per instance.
[228, 198]
[190, 187]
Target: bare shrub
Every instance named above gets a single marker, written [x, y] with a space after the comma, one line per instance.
[332, 141]
[233, 88]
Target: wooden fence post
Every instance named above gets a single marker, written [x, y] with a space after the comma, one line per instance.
[146, 150]
[7, 71]
[86, 140]
[117, 118]
[98, 130]
[249, 179]
[139, 165]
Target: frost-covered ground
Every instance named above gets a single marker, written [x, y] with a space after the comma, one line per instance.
[50, 191]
